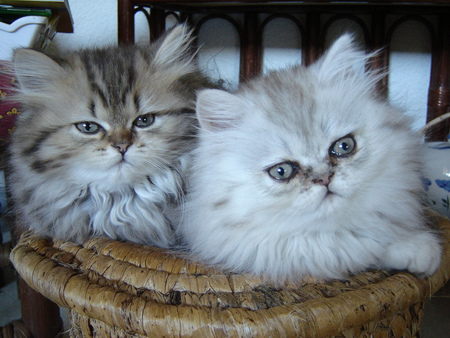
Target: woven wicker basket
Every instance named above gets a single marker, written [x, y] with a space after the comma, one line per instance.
[117, 289]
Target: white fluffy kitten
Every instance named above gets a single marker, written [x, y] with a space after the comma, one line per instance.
[307, 173]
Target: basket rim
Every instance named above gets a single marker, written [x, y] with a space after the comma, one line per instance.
[323, 316]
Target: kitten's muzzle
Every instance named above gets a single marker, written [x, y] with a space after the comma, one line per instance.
[121, 139]
[122, 147]
[324, 179]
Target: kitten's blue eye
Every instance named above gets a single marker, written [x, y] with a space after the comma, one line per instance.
[282, 171]
[88, 127]
[342, 147]
[144, 120]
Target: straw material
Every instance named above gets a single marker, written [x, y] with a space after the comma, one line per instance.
[15, 329]
[119, 289]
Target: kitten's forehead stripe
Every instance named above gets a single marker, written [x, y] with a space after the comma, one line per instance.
[111, 78]
[136, 101]
[99, 92]
[92, 109]
[131, 77]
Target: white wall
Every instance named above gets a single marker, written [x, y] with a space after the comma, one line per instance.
[95, 24]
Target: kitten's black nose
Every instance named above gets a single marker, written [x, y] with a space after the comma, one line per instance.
[323, 179]
[122, 147]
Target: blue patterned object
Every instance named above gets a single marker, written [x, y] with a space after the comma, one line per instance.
[436, 176]
[444, 184]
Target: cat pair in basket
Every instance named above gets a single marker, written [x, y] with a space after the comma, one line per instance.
[303, 172]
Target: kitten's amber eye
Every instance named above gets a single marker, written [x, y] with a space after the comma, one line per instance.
[282, 171]
[343, 147]
[88, 127]
[144, 120]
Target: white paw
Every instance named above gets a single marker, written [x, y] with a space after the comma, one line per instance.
[419, 254]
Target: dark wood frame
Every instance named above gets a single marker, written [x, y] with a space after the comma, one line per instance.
[42, 316]
[378, 32]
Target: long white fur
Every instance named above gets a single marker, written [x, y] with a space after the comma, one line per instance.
[240, 219]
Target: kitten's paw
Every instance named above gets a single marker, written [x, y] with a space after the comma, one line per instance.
[419, 254]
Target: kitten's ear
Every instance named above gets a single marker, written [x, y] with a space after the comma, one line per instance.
[175, 47]
[35, 70]
[342, 59]
[218, 110]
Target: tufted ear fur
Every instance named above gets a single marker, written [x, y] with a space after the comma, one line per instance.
[218, 110]
[175, 48]
[345, 63]
[342, 58]
[35, 70]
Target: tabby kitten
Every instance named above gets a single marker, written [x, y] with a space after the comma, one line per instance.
[307, 173]
[101, 146]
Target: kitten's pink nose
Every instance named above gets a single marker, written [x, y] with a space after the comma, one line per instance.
[323, 179]
[122, 147]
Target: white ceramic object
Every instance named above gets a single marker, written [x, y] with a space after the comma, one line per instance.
[436, 175]
[23, 32]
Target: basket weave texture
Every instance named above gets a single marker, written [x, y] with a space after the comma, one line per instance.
[119, 289]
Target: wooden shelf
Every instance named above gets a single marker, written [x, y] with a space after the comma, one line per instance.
[435, 14]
